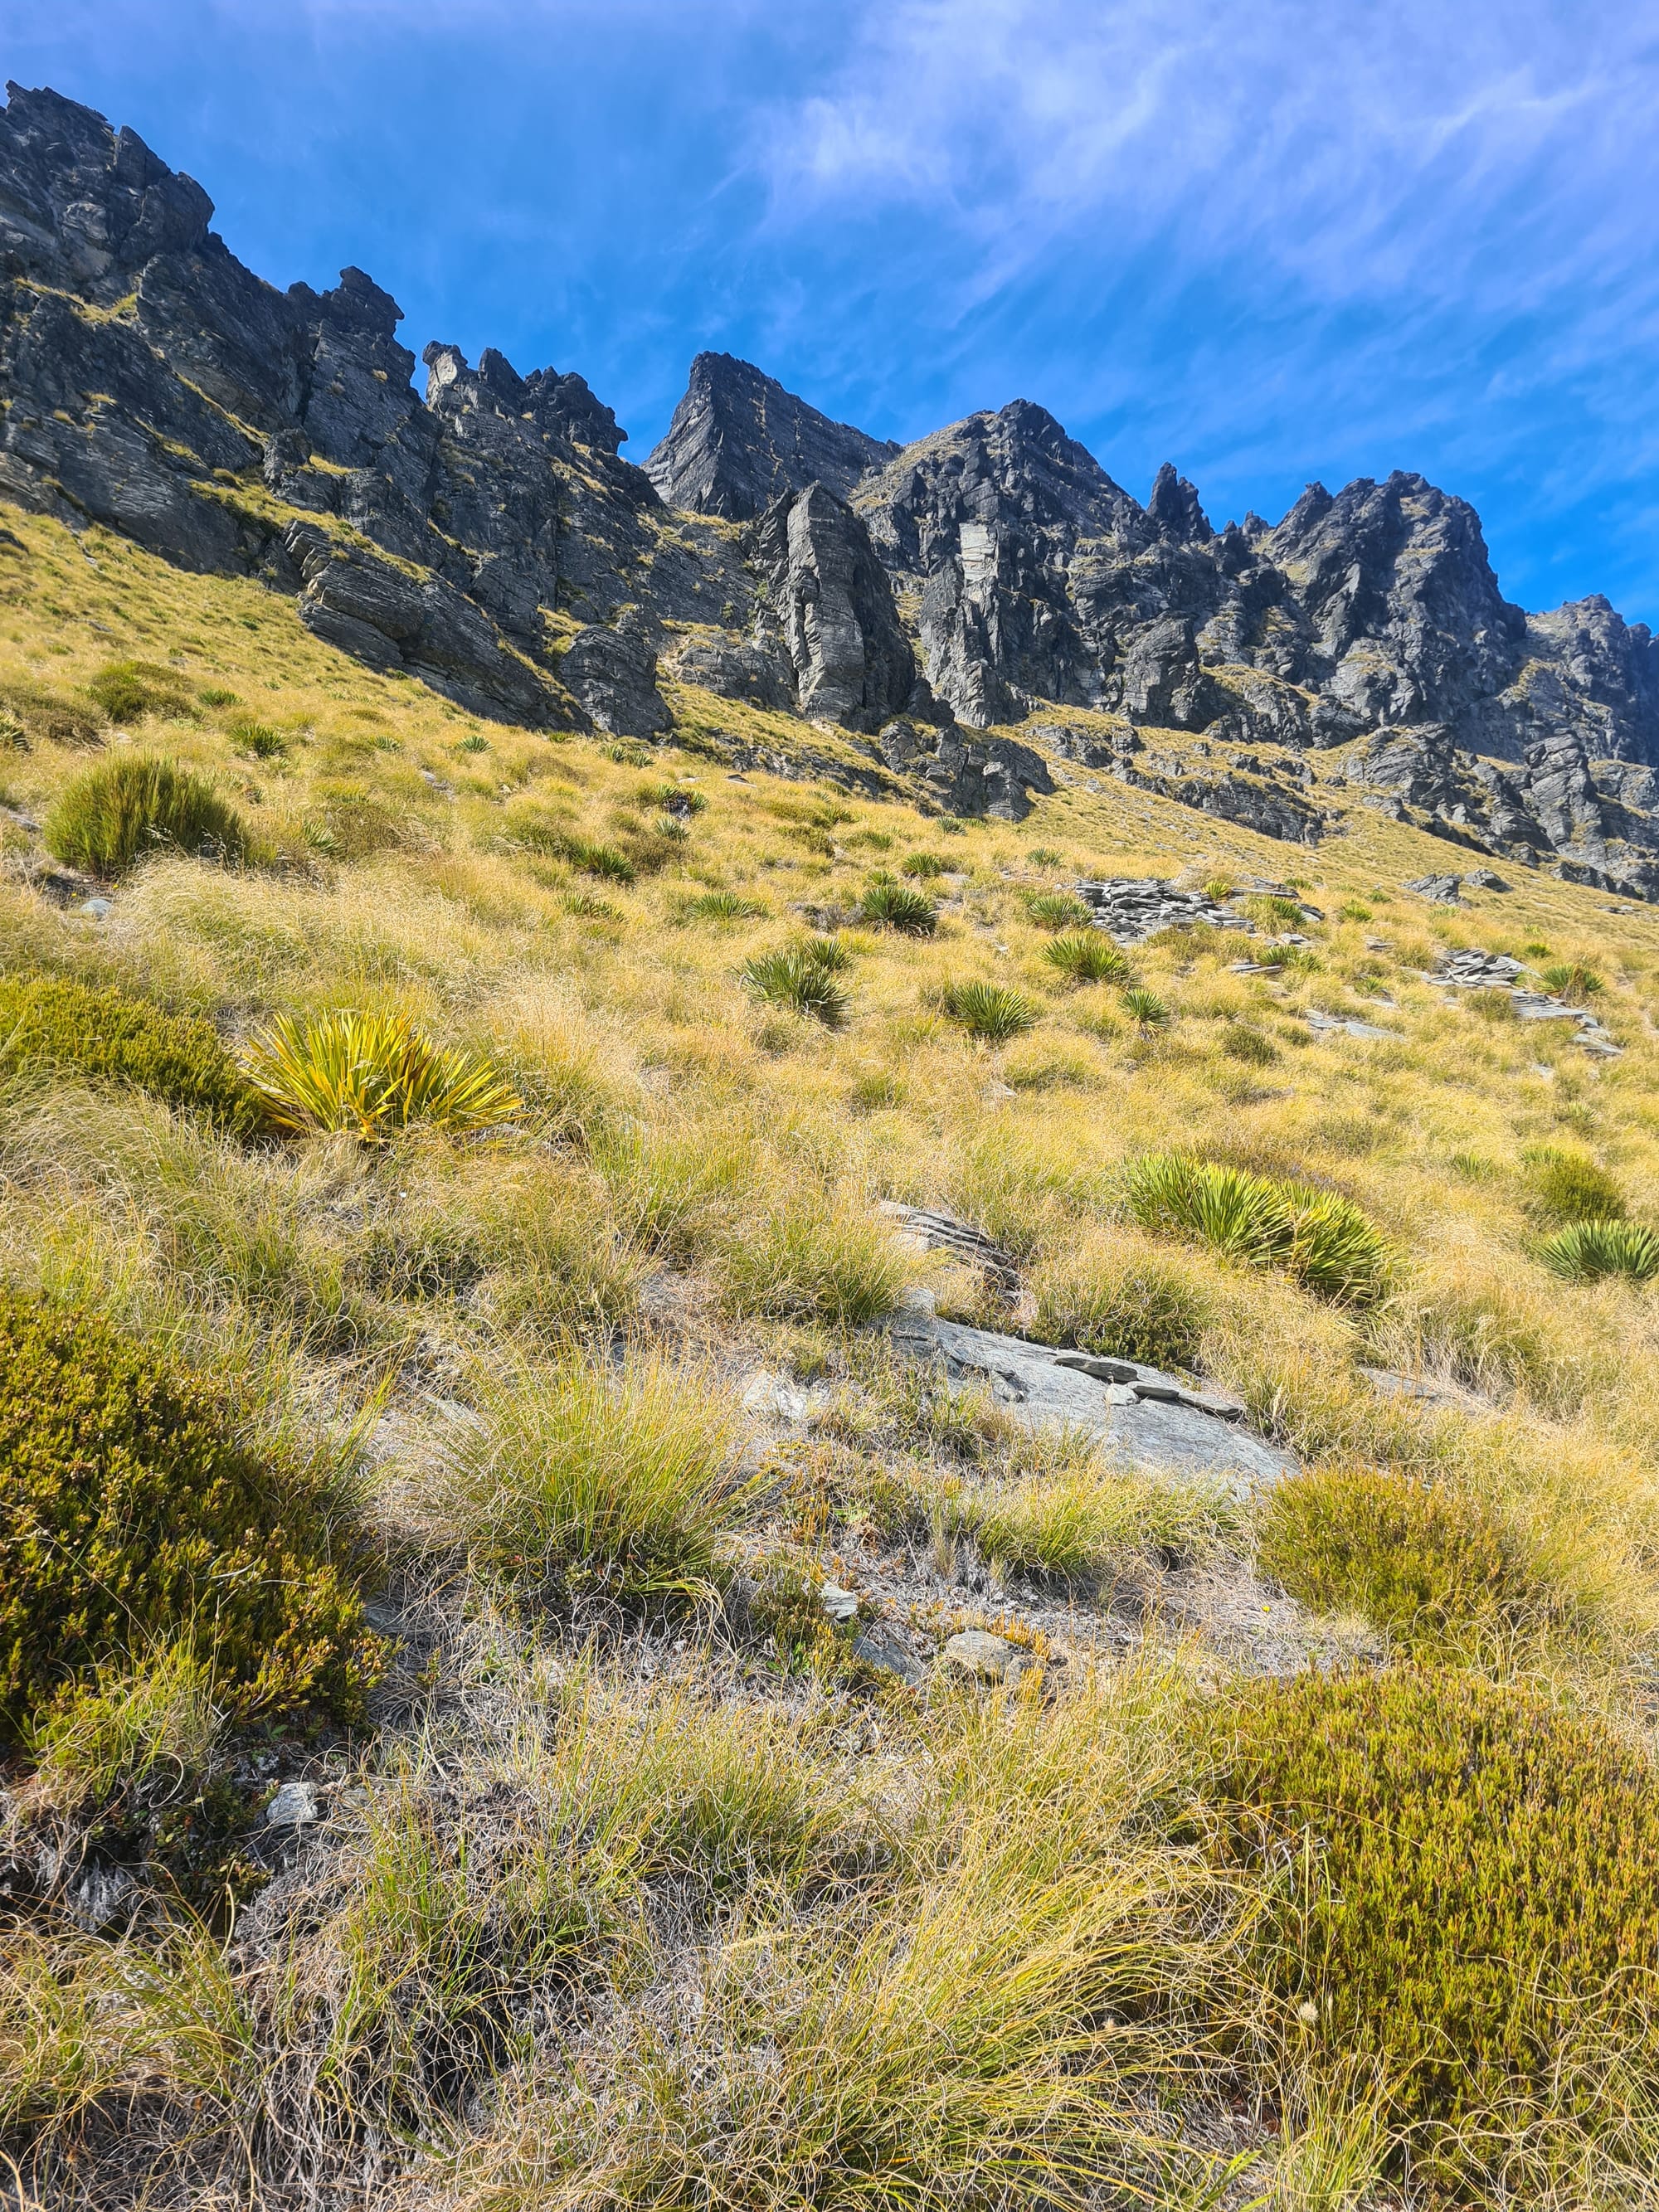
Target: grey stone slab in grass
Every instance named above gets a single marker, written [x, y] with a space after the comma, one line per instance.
[1154, 1422]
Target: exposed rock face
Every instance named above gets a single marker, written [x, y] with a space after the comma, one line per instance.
[827, 611]
[917, 596]
[739, 441]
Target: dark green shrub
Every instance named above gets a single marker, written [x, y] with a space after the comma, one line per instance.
[1571, 1187]
[1438, 1571]
[1467, 1887]
[896, 906]
[129, 689]
[122, 808]
[1241, 1040]
[131, 1518]
[107, 1032]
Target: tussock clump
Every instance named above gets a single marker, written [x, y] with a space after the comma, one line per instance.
[812, 1258]
[1124, 1296]
[1318, 1235]
[1573, 980]
[1587, 1251]
[926, 867]
[992, 1012]
[123, 809]
[1439, 1569]
[132, 1517]
[1469, 1896]
[127, 690]
[583, 1480]
[56, 1022]
[370, 1074]
[723, 906]
[1144, 1008]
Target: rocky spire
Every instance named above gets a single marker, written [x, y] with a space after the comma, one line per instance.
[738, 440]
[1175, 510]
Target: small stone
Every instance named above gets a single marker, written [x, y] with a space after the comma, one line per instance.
[295, 1805]
[977, 1652]
[96, 908]
[877, 1649]
[839, 1604]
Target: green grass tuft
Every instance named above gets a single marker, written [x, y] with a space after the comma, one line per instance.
[795, 977]
[123, 809]
[1571, 1187]
[1059, 910]
[127, 690]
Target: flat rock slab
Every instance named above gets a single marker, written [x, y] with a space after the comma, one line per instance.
[1171, 1430]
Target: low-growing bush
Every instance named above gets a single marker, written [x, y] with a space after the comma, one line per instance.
[991, 1012]
[798, 977]
[131, 1517]
[109, 1034]
[889, 905]
[1059, 910]
[1467, 1893]
[1085, 957]
[122, 808]
[371, 1074]
[1317, 1236]
[1587, 1251]
[129, 689]
[1439, 1571]
[1571, 1187]
[1243, 1041]
[582, 1480]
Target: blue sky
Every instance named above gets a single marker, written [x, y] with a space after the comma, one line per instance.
[1271, 242]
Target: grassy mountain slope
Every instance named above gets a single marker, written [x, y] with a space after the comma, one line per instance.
[637, 1883]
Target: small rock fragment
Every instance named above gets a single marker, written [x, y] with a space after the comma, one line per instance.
[295, 1805]
[977, 1652]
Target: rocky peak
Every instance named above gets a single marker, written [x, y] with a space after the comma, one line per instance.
[739, 440]
[1175, 510]
[560, 406]
[85, 207]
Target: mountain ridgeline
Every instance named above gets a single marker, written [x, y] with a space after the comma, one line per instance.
[980, 612]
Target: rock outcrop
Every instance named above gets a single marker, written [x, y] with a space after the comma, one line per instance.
[489, 538]
[739, 441]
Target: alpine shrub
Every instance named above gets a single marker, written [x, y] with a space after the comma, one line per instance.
[109, 1033]
[122, 808]
[130, 1517]
[1571, 1187]
[1468, 1885]
[1436, 1569]
[129, 689]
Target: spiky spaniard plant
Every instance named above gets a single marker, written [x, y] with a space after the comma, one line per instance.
[372, 1075]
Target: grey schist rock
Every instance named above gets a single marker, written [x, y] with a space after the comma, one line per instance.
[739, 441]
[1137, 1415]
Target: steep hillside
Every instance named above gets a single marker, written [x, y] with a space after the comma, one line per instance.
[762, 1444]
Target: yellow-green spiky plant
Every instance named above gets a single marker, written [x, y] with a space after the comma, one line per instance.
[372, 1075]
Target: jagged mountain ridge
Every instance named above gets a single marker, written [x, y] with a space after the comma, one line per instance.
[490, 540]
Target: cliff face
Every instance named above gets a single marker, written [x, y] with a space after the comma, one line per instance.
[490, 539]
